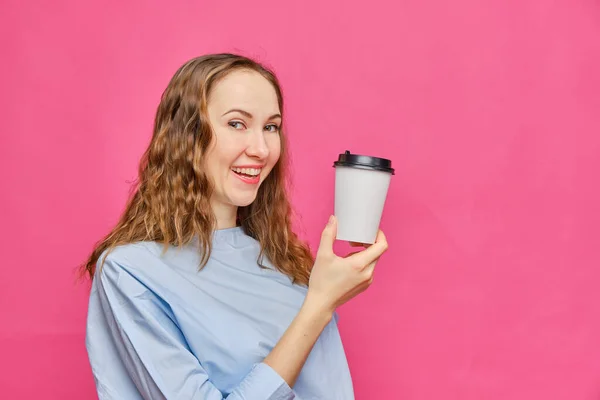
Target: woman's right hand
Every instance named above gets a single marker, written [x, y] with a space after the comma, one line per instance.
[334, 280]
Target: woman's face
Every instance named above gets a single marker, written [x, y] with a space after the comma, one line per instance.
[244, 114]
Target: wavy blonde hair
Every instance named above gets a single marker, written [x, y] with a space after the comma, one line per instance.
[170, 200]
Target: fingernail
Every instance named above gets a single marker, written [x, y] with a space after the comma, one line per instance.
[330, 220]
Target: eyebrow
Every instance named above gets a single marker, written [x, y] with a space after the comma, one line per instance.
[248, 115]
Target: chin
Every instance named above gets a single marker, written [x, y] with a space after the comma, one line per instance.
[243, 200]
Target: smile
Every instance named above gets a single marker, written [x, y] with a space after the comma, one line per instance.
[247, 175]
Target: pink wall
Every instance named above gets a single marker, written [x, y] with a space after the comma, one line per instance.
[489, 110]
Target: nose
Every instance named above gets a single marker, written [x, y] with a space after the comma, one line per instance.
[257, 146]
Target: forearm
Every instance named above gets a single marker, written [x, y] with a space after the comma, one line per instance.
[289, 355]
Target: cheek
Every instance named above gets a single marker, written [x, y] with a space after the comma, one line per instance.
[223, 153]
[274, 149]
[215, 160]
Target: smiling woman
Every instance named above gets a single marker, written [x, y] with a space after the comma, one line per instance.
[202, 290]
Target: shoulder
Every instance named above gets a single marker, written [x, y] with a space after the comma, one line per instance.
[126, 256]
[132, 278]
[139, 260]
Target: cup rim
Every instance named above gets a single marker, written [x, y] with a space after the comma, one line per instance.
[360, 161]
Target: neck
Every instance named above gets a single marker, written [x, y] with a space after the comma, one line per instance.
[226, 215]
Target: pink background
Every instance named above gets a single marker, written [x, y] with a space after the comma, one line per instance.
[490, 111]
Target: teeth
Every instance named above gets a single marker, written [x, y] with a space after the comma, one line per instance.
[248, 171]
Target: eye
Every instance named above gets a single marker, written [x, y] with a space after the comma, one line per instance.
[272, 128]
[237, 125]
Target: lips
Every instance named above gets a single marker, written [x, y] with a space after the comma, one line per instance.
[248, 173]
[249, 179]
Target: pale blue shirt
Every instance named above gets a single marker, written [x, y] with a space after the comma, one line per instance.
[158, 328]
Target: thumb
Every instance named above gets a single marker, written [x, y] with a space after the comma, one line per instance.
[328, 236]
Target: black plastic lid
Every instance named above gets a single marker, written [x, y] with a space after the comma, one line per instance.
[366, 162]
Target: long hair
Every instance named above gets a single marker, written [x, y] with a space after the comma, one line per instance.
[170, 201]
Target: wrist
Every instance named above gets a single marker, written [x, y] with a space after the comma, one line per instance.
[317, 309]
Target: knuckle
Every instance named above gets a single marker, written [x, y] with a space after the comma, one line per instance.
[384, 245]
[356, 267]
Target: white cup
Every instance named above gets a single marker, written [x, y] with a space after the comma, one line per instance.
[361, 186]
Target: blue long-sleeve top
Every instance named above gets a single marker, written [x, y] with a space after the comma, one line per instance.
[160, 328]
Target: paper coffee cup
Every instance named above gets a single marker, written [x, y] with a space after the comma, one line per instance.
[361, 186]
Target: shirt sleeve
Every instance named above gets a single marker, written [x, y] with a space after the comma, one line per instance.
[155, 353]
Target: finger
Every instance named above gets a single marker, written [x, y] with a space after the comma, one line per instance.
[352, 253]
[328, 237]
[358, 244]
[357, 290]
[368, 271]
[371, 253]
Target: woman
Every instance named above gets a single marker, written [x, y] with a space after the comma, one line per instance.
[202, 290]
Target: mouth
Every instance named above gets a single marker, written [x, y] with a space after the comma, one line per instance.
[247, 175]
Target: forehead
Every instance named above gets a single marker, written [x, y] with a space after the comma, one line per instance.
[244, 89]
